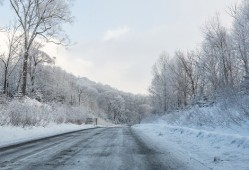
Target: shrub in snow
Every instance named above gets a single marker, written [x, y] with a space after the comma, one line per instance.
[226, 111]
[30, 112]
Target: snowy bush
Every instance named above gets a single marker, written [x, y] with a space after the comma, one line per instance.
[30, 112]
[230, 110]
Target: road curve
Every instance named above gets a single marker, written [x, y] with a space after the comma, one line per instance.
[94, 149]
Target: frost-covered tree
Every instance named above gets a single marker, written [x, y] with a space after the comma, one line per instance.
[10, 57]
[159, 88]
[218, 53]
[39, 19]
[240, 38]
[218, 68]
[143, 111]
[37, 58]
[188, 63]
[240, 33]
[113, 104]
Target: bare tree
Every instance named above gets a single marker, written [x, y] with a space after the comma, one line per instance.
[160, 85]
[188, 64]
[40, 18]
[11, 57]
[218, 52]
[37, 57]
[240, 37]
[180, 81]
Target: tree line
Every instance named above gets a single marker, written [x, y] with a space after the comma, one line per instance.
[218, 67]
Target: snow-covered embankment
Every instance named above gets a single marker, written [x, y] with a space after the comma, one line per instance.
[216, 136]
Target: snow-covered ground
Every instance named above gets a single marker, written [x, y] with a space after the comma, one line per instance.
[13, 135]
[215, 135]
[213, 149]
[28, 119]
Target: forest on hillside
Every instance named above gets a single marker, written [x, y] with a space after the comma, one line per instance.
[31, 84]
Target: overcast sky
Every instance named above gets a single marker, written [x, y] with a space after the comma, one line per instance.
[118, 41]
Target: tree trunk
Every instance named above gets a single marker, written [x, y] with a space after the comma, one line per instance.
[24, 73]
[5, 81]
[33, 78]
[32, 84]
[79, 98]
[246, 67]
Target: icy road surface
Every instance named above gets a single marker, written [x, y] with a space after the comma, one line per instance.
[93, 149]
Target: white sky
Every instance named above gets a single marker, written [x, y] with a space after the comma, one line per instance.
[118, 41]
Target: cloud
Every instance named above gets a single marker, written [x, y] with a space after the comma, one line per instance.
[126, 62]
[115, 33]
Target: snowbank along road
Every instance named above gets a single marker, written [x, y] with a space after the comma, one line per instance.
[93, 149]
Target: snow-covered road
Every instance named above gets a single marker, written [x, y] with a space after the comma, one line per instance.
[100, 148]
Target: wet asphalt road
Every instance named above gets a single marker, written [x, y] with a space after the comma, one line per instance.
[94, 149]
